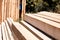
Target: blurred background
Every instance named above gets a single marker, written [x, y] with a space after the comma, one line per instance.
[33, 6]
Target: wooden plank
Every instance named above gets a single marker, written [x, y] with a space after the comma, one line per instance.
[6, 32]
[41, 35]
[53, 15]
[0, 11]
[48, 17]
[9, 31]
[49, 27]
[10, 25]
[0, 33]
[9, 22]
[19, 26]
[27, 34]
[43, 20]
[3, 32]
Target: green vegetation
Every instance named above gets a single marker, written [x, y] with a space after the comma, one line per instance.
[42, 5]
